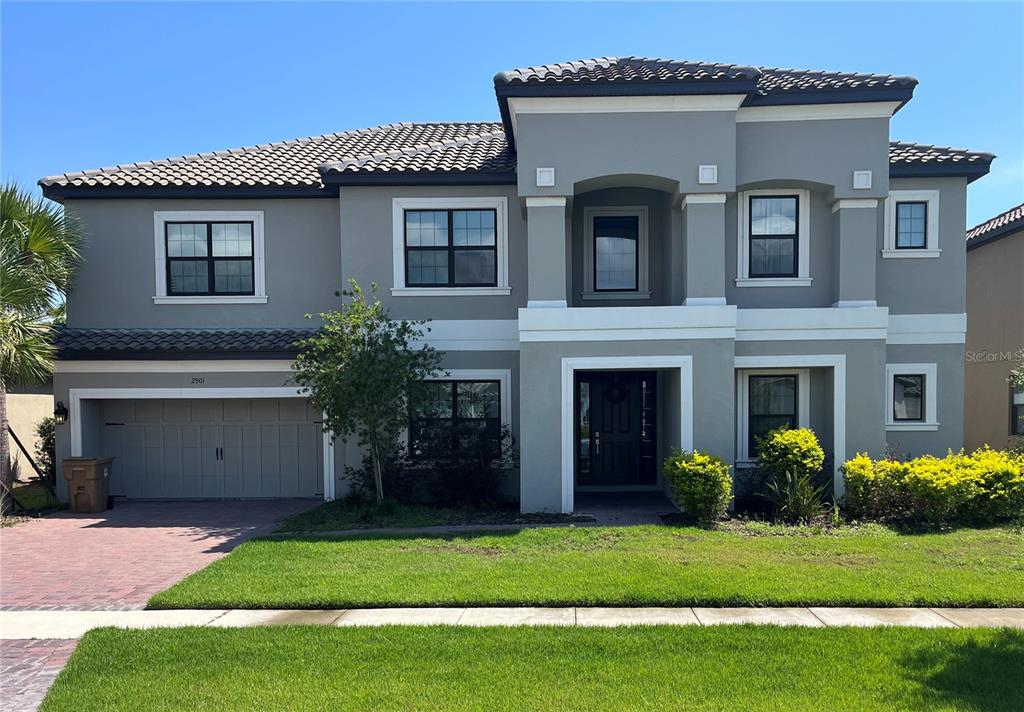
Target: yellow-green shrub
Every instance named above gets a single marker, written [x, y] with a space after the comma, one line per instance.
[699, 483]
[793, 450]
[982, 487]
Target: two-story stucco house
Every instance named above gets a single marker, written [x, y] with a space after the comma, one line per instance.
[642, 255]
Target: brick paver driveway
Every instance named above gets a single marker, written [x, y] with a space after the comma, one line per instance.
[118, 559]
[114, 560]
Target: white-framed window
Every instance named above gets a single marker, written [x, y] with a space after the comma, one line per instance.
[910, 396]
[467, 394]
[615, 253]
[773, 238]
[912, 224]
[767, 399]
[450, 246]
[209, 257]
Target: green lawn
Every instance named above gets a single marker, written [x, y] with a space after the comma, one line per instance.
[635, 566]
[663, 668]
[341, 514]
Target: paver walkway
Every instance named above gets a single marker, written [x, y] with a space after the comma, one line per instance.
[105, 562]
[73, 624]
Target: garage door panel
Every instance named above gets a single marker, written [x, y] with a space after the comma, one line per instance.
[201, 448]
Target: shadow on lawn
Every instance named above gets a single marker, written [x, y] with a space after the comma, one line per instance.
[976, 674]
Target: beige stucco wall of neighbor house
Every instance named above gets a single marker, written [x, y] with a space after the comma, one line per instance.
[995, 337]
[25, 411]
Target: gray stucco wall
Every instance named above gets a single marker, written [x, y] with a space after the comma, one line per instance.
[367, 249]
[929, 285]
[821, 151]
[949, 362]
[583, 147]
[541, 406]
[115, 284]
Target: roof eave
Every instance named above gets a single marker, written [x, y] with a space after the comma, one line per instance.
[59, 193]
[1017, 226]
[971, 171]
[837, 96]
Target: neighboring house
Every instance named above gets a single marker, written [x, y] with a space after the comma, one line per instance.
[642, 255]
[994, 413]
[27, 407]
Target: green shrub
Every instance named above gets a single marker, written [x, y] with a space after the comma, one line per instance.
[699, 483]
[796, 451]
[980, 488]
[796, 498]
[46, 450]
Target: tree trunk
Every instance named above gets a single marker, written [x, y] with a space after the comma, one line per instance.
[6, 475]
[378, 479]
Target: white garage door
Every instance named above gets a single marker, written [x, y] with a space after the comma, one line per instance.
[209, 449]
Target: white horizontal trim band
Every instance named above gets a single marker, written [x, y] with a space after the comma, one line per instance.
[848, 203]
[624, 104]
[546, 202]
[698, 198]
[212, 300]
[815, 112]
[451, 291]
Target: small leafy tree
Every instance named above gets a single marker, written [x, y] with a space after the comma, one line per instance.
[361, 368]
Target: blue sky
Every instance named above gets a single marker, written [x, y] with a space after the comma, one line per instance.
[87, 85]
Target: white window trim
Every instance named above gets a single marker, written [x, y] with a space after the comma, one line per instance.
[803, 396]
[643, 284]
[931, 390]
[502, 376]
[803, 278]
[160, 217]
[931, 249]
[398, 208]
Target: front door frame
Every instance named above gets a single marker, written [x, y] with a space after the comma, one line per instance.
[684, 364]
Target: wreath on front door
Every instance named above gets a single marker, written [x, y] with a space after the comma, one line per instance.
[616, 394]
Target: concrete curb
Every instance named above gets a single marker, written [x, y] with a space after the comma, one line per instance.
[21, 625]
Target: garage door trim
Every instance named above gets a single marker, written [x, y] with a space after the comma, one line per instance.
[77, 395]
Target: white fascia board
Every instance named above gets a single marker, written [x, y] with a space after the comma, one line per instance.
[927, 329]
[817, 112]
[623, 104]
[627, 323]
[811, 324]
[473, 335]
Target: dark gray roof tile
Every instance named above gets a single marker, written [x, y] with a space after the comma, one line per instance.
[1002, 224]
[139, 343]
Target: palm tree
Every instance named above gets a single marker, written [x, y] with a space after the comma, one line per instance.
[39, 246]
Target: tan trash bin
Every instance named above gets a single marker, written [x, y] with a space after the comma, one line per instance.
[88, 483]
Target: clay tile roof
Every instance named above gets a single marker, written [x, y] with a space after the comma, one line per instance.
[296, 163]
[767, 80]
[1003, 224]
[917, 159]
[127, 343]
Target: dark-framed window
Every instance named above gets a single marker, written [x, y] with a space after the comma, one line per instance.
[209, 258]
[616, 253]
[446, 413]
[1017, 411]
[772, 403]
[911, 225]
[908, 397]
[774, 224]
[451, 248]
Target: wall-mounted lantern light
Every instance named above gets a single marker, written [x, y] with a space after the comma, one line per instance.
[60, 413]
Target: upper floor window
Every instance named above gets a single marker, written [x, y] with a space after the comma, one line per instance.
[209, 256]
[615, 262]
[450, 246]
[911, 392]
[773, 245]
[911, 224]
[773, 236]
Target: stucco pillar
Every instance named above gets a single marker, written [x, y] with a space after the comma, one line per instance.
[855, 226]
[704, 249]
[546, 245]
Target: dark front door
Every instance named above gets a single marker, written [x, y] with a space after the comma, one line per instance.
[616, 436]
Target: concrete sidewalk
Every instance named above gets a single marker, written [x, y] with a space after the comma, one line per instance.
[22, 625]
